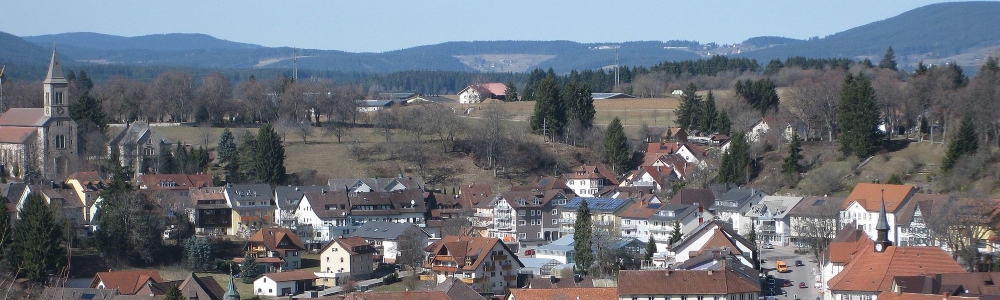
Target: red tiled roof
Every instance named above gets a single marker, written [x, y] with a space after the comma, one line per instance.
[127, 282]
[870, 271]
[354, 245]
[579, 293]
[26, 117]
[474, 193]
[655, 150]
[262, 260]
[681, 282]
[460, 247]
[271, 237]
[889, 295]
[406, 295]
[640, 210]
[870, 196]
[496, 88]
[703, 197]
[15, 135]
[175, 181]
[297, 275]
[86, 177]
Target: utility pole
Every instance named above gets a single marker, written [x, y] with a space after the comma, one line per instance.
[295, 66]
[617, 80]
[1, 87]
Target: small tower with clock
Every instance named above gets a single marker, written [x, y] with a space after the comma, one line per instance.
[56, 90]
[882, 242]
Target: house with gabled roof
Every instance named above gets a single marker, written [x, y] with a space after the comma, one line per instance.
[668, 215]
[635, 219]
[324, 214]
[88, 185]
[770, 218]
[252, 204]
[579, 293]
[527, 218]
[733, 205]
[286, 199]
[282, 284]
[715, 235]
[587, 180]
[477, 93]
[725, 280]
[387, 236]
[976, 285]
[360, 185]
[462, 204]
[212, 213]
[276, 249]
[814, 217]
[486, 264]
[911, 221]
[172, 191]
[350, 258]
[862, 205]
[126, 282]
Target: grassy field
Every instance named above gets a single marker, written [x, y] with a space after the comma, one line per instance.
[633, 112]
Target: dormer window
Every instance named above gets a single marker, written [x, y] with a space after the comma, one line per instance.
[536, 202]
[522, 202]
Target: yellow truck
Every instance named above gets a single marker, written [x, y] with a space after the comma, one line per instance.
[780, 266]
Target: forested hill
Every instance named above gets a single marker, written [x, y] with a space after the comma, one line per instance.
[933, 31]
[155, 42]
[14, 50]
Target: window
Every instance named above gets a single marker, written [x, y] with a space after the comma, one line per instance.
[341, 259]
[520, 223]
[554, 212]
[521, 213]
[60, 141]
[522, 236]
[539, 235]
[532, 213]
[538, 211]
[554, 222]
[59, 98]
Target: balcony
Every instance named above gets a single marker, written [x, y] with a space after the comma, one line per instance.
[604, 223]
[506, 267]
[500, 257]
[444, 268]
[504, 226]
[567, 221]
[510, 278]
[444, 257]
[489, 268]
[628, 226]
[473, 280]
[567, 229]
[427, 277]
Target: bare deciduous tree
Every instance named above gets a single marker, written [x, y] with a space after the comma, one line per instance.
[962, 223]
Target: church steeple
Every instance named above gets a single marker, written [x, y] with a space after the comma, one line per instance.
[56, 89]
[231, 293]
[55, 74]
[882, 242]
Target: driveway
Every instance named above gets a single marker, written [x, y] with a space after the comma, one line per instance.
[807, 273]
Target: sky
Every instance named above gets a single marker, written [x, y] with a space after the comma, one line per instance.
[378, 25]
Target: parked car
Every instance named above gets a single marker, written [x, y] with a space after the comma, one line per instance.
[768, 246]
[798, 263]
[529, 252]
[802, 285]
[788, 283]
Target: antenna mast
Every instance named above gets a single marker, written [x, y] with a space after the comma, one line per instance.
[617, 80]
[295, 66]
[1, 87]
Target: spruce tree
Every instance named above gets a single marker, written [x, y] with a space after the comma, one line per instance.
[181, 159]
[723, 125]
[583, 231]
[858, 117]
[226, 150]
[761, 94]
[165, 163]
[270, 163]
[550, 110]
[37, 247]
[510, 94]
[173, 293]
[616, 147]
[889, 60]
[247, 156]
[585, 111]
[966, 142]
[735, 163]
[6, 233]
[791, 163]
[676, 234]
[199, 254]
[709, 115]
[690, 108]
[650, 248]
[248, 269]
[895, 179]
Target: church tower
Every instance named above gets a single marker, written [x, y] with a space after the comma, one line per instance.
[56, 90]
[882, 242]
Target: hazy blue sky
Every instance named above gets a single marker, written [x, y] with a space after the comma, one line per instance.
[376, 26]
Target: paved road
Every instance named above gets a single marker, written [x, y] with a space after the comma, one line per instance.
[338, 289]
[807, 273]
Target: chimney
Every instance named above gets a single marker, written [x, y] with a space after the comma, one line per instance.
[709, 272]
[577, 278]
[552, 279]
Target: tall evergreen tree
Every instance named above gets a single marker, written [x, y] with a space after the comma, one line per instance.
[249, 269]
[585, 111]
[616, 147]
[165, 163]
[723, 125]
[760, 94]
[173, 293]
[966, 142]
[709, 115]
[650, 248]
[858, 117]
[675, 234]
[550, 110]
[182, 159]
[199, 254]
[889, 60]
[226, 150]
[127, 232]
[791, 163]
[88, 113]
[270, 163]
[735, 164]
[6, 234]
[690, 108]
[37, 247]
[510, 95]
[583, 231]
[247, 156]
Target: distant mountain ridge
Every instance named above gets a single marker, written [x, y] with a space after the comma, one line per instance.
[942, 31]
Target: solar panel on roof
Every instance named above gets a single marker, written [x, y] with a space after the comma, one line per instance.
[818, 202]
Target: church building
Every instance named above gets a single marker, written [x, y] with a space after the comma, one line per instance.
[40, 141]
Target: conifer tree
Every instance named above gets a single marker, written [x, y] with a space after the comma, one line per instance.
[510, 95]
[270, 163]
[889, 60]
[858, 117]
[675, 234]
[895, 179]
[709, 115]
[583, 238]
[966, 142]
[761, 94]
[585, 106]
[690, 108]
[247, 156]
[6, 234]
[37, 247]
[181, 159]
[199, 254]
[791, 163]
[173, 293]
[736, 161]
[226, 150]
[650, 248]
[723, 125]
[616, 147]
[165, 163]
[550, 111]
[248, 269]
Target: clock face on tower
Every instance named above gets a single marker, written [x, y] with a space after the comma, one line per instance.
[60, 111]
[878, 247]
